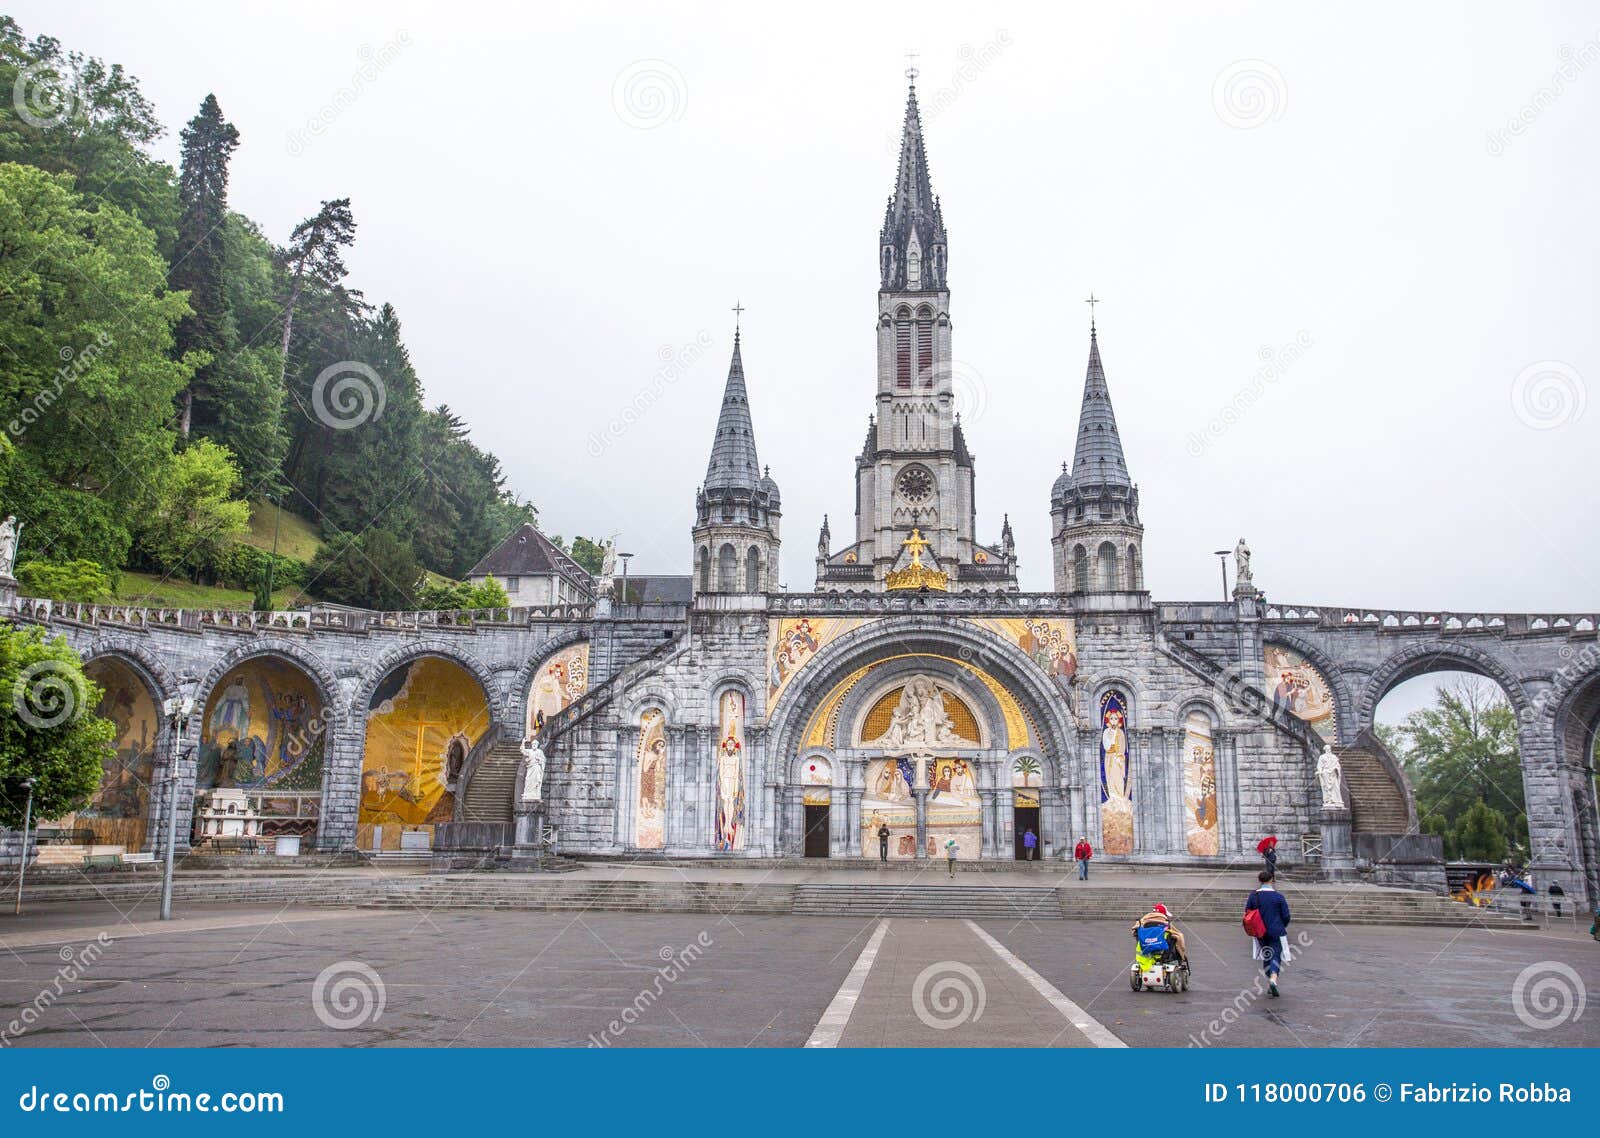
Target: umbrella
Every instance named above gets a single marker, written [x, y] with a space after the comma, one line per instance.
[1266, 844]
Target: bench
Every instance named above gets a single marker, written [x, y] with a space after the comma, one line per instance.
[233, 845]
[101, 861]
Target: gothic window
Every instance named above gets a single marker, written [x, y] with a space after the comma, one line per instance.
[752, 571]
[1080, 569]
[705, 569]
[1108, 567]
[915, 484]
[1135, 570]
[925, 352]
[727, 570]
[914, 268]
[902, 355]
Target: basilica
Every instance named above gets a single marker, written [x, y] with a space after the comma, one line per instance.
[912, 703]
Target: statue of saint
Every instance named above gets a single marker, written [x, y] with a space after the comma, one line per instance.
[1241, 563]
[8, 544]
[920, 720]
[1329, 774]
[532, 770]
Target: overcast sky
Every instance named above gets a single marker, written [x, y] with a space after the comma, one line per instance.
[1348, 255]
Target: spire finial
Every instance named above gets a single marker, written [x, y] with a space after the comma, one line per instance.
[1091, 302]
[911, 67]
[738, 311]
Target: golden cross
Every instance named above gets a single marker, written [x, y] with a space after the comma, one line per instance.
[916, 543]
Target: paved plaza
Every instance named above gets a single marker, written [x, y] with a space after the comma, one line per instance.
[276, 975]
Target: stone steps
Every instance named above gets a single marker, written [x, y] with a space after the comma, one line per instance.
[1377, 803]
[1005, 902]
[488, 796]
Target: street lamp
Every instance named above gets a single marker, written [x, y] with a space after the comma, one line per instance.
[1222, 563]
[27, 819]
[623, 557]
[178, 710]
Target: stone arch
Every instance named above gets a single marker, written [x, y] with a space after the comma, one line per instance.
[1041, 702]
[375, 672]
[752, 570]
[703, 568]
[1342, 683]
[127, 803]
[854, 706]
[1106, 567]
[307, 661]
[1135, 568]
[1569, 713]
[727, 569]
[516, 710]
[143, 662]
[1080, 569]
[797, 767]
[1421, 659]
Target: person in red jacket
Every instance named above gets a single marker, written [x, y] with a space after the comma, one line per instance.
[1083, 851]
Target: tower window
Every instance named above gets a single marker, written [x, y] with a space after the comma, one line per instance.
[902, 352]
[925, 352]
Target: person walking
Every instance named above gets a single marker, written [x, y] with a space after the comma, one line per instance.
[883, 842]
[1082, 852]
[1030, 843]
[950, 851]
[1268, 849]
[1269, 928]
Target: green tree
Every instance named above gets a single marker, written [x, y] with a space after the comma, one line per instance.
[1480, 834]
[200, 258]
[79, 580]
[48, 729]
[1464, 749]
[459, 595]
[315, 258]
[195, 516]
[374, 570]
[68, 113]
[88, 382]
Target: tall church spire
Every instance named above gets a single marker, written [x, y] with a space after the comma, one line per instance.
[912, 245]
[733, 451]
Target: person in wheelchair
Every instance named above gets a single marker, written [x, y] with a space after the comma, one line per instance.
[1158, 916]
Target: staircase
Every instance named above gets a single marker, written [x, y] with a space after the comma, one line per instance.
[1015, 903]
[492, 784]
[1379, 803]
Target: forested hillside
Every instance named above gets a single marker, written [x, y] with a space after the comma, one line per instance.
[164, 363]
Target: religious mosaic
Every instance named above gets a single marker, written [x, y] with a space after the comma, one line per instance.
[1048, 641]
[1199, 785]
[118, 810]
[730, 833]
[423, 720]
[791, 644]
[1296, 685]
[650, 818]
[954, 810]
[1116, 776]
[262, 727]
[560, 680]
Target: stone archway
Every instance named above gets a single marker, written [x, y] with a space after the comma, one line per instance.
[122, 809]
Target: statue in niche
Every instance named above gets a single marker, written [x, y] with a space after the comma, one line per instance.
[1330, 775]
[920, 720]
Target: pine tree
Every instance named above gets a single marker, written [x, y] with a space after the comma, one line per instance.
[208, 143]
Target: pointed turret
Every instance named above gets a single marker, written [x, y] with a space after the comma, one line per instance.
[1094, 506]
[733, 451]
[737, 510]
[912, 246]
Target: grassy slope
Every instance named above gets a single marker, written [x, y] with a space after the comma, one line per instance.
[149, 589]
[297, 537]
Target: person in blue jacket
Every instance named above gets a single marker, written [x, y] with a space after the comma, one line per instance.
[1273, 949]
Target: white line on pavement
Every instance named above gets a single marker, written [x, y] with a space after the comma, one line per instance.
[1096, 1032]
[830, 1028]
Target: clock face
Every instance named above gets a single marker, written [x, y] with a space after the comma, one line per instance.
[915, 484]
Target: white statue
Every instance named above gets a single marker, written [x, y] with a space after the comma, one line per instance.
[8, 544]
[920, 720]
[1241, 563]
[1330, 775]
[532, 770]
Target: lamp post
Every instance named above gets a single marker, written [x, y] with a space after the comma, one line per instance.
[1222, 563]
[27, 819]
[178, 711]
[623, 557]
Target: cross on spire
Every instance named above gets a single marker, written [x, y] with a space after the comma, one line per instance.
[737, 310]
[1091, 302]
[911, 66]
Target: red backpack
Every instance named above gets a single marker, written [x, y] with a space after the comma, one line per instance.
[1253, 924]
